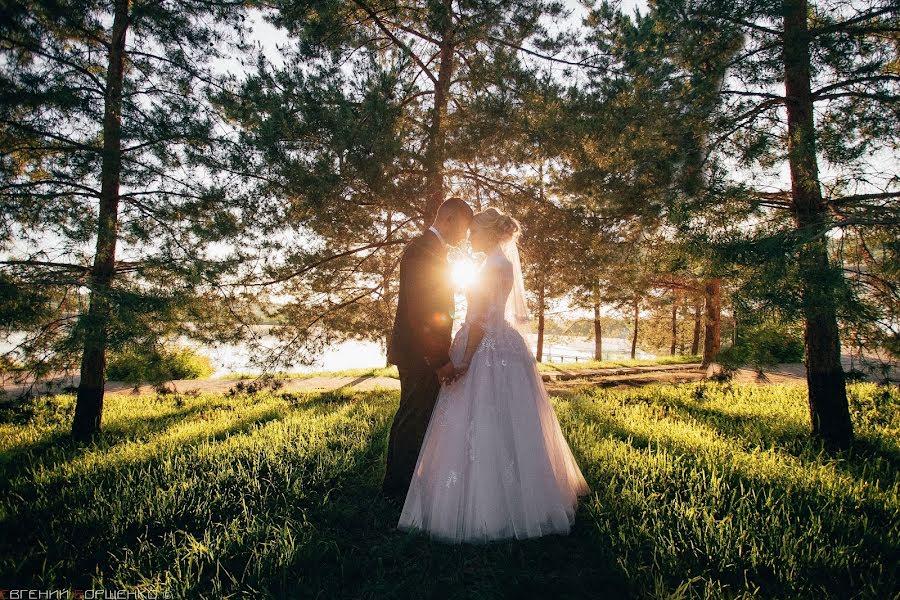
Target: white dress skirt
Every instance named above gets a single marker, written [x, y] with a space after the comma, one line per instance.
[494, 463]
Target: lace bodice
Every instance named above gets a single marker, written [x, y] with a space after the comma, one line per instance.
[487, 299]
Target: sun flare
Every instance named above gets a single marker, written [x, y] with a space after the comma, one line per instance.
[463, 271]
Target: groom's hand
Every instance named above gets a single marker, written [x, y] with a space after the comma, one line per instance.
[447, 372]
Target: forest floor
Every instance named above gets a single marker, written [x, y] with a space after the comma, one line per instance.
[698, 490]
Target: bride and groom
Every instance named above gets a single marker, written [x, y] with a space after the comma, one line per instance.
[475, 450]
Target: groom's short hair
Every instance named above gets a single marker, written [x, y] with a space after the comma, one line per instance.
[454, 205]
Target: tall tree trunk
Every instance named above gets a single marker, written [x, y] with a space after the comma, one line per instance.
[634, 338]
[434, 155]
[674, 322]
[89, 399]
[387, 296]
[712, 340]
[695, 343]
[828, 408]
[598, 326]
[539, 354]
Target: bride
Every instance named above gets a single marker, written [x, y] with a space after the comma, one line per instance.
[494, 463]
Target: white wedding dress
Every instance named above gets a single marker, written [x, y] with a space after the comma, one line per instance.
[494, 463]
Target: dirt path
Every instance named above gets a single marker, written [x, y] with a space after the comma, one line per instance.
[558, 381]
[315, 384]
[300, 384]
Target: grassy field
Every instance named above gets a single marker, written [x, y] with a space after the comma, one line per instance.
[699, 490]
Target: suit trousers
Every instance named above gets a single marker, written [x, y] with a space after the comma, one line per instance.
[419, 389]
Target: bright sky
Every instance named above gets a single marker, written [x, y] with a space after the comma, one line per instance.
[270, 37]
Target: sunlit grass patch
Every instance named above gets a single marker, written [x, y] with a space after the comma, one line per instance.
[724, 483]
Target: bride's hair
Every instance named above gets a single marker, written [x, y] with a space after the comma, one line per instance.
[502, 225]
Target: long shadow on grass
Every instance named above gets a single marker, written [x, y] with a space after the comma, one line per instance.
[872, 458]
[60, 523]
[870, 549]
[345, 540]
[155, 428]
[56, 446]
[352, 548]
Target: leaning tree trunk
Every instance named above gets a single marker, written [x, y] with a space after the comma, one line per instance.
[829, 412]
[539, 350]
[712, 340]
[634, 338]
[434, 154]
[674, 322]
[89, 399]
[598, 327]
[695, 343]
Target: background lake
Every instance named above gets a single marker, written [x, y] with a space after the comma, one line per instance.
[355, 354]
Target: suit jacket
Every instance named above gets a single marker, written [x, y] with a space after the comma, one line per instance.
[424, 320]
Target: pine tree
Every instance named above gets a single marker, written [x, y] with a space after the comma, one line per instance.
[639, 127]
[107, 140]
[379, 110]
[813, 83]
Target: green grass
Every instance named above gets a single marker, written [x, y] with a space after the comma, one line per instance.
[585, 365]
[699, 490]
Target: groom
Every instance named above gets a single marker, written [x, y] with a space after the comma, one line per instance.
[420, 343]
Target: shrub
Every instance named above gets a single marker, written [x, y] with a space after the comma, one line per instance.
[143, 365]
[764, 344]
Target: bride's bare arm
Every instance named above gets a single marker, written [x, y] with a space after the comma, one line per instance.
[476, 329]
[476, 333]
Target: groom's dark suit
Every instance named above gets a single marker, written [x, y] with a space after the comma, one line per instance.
[419, 345]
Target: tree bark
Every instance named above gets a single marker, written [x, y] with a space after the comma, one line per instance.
[539, 354]
[89, 399]
[634, 338]
[828, 408]
[712, 340]
[598, 327]
[698, 320]
[674, 322]
[387, 277]
[434, 155]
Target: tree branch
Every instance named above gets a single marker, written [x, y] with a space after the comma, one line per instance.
[320, 262]
[374, 16]
[743, 23]
[42, 263]
[844, 200]
[842, 84]
[815, 31]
